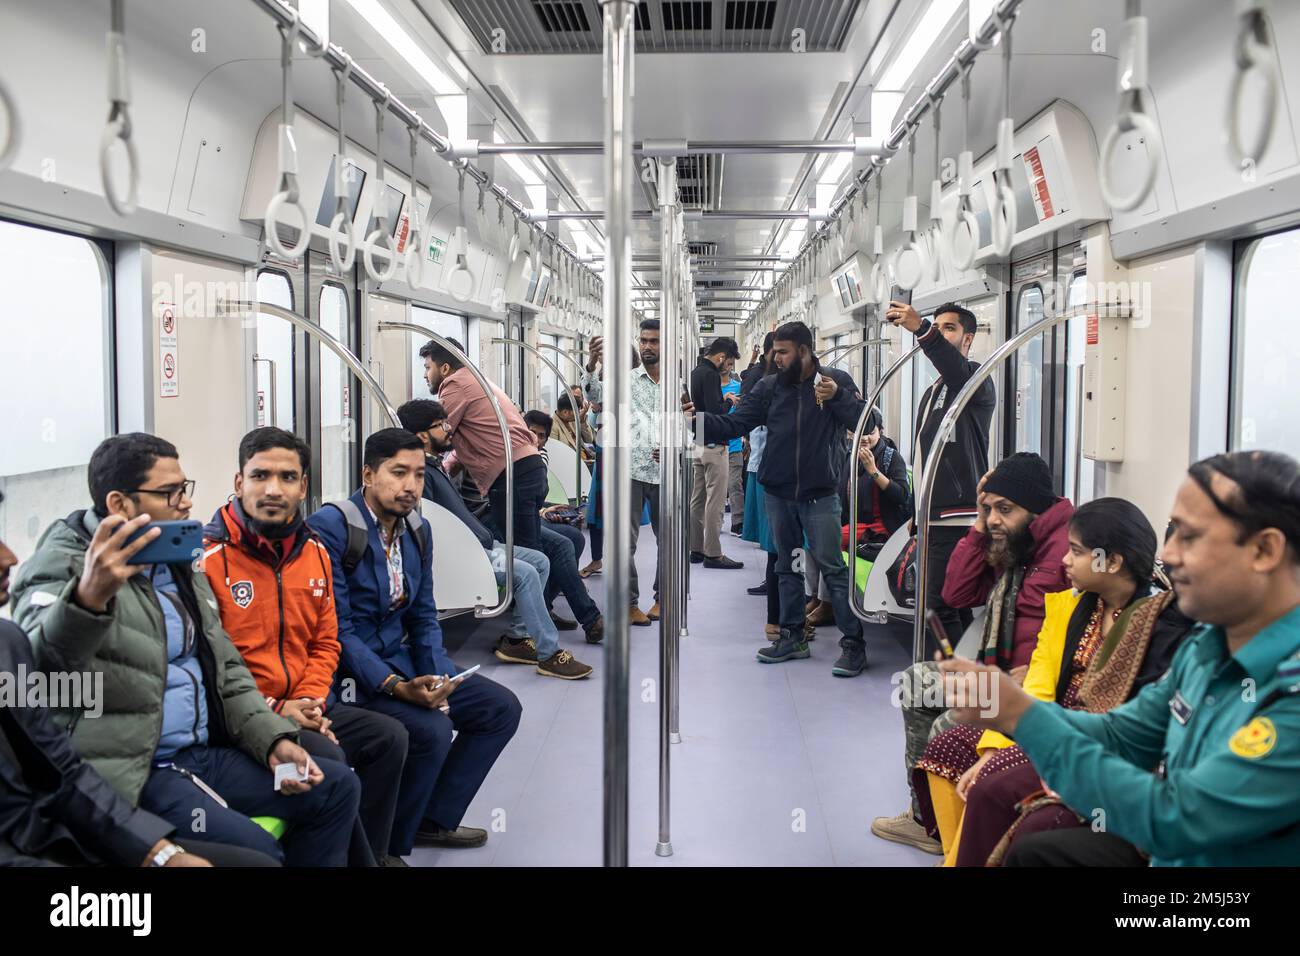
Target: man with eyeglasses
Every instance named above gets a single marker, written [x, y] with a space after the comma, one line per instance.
[183, 731]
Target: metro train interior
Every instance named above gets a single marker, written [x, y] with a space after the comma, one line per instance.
[217, 218]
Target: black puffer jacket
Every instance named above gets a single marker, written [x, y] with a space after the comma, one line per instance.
[806, 444]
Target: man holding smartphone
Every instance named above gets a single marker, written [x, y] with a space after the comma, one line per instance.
[184, 733]
[946, 339]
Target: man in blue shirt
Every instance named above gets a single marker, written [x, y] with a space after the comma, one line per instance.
[392, 659]
[1201, 768]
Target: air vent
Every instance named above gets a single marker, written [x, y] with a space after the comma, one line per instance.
[702, 248]
[699, 180]
[562, 16]
[750, 14]
[514, 27]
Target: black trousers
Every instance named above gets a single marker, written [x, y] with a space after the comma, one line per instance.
[1073, 846]
[218, 854]
[374, 746]
[531, 485]
[942, 543]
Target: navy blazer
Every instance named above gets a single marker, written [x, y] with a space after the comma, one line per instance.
[377, 641]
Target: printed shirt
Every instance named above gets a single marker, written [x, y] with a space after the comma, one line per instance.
[645, 434]
[393, 549]
[1201, 768]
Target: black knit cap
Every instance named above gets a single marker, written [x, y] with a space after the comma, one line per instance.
[1025, 479]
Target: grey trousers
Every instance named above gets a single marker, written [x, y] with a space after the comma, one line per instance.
[708, 498]
[736, 486]
[920, 722]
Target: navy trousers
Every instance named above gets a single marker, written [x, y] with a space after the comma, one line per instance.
[531, 485]
[564, 578]
[441, 776]
[320, 820]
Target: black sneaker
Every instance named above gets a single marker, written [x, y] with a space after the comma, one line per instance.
[461, 838]
[759, 591]
[852, 661]
[595, 632]
[723, 563]
[563, 623]
[788, 646]
[697, 557]
[516, 652]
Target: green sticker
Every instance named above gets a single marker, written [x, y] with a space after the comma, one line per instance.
[436, 247]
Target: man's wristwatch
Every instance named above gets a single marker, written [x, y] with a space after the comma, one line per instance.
[166, 853]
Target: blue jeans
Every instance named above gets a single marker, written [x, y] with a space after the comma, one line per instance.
[320, 820]
[819, 522]
[565, 579]
[529, 617]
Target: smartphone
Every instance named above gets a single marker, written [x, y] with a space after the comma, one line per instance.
[180, 543]
[465, 673]
[899, 294]
[940, 635]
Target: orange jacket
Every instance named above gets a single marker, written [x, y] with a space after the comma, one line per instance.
[277, 604]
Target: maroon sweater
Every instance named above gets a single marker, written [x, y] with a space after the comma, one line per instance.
[969, 579]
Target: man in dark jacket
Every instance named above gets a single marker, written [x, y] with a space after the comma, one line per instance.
[1009, 560]
[711, 465]
[806, 410]
[55, 809]
[946, 339]
[393, 659]
[185, 733]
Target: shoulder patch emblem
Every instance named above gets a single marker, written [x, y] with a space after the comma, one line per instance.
[1255, 740]
[241, 592]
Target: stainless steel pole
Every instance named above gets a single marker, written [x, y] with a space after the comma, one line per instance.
[667, 534]
[619, 174]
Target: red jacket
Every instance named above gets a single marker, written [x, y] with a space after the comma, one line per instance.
[969, 579]
[277, 604]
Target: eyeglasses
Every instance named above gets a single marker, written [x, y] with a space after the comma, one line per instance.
[173, 495]
[445, 426]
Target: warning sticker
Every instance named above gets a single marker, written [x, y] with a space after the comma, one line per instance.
[1038, 184]
[169, 379]
[1094, 332]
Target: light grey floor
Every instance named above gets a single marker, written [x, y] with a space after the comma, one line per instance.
[779, 765]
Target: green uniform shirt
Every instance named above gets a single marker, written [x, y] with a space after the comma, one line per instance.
[1226, 729]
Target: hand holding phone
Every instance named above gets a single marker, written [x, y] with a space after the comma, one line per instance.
[111, 559]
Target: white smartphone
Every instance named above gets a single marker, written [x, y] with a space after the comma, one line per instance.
[463, 674]
[290, 771]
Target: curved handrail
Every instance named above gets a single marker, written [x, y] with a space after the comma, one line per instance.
[946, 426]
[861, 612]
[1255, 51]
[577, 430]
[508, 591]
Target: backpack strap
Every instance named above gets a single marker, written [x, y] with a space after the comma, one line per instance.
[415, 524]
[358, 532]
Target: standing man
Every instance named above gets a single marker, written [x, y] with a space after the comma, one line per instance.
[711, 465]
[476, 437]
[392, 657]
[276, 597]
[806, 410]
[646, 437]
[946, 340]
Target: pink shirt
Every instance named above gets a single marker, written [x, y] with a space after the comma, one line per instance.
[475, 432]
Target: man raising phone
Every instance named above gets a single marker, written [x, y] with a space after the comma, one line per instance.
[946, 339]
[184, 732]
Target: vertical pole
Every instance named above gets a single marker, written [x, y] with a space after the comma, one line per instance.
[670, 343]
[617, 69]
[683, 314]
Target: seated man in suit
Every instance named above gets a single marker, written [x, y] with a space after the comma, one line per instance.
[392, 659]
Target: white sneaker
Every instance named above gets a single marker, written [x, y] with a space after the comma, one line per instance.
[903, 829]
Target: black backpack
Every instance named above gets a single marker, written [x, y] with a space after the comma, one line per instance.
[902, 576]
[359, 533]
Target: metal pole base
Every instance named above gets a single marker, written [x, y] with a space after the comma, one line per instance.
[663, 849]
[674, 738]
[685, 632]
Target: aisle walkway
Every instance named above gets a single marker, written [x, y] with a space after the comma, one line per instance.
[779, 765]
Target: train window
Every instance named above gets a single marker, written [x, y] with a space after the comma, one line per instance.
[275, 353]
[336, 436]
[55, 376]
[549, 388]
[444, 323]
[1265, 350]
[1029, 373]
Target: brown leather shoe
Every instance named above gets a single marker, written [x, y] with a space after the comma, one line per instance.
[821, 615]
[563, 665]
[653, 613]
[810, 606]
[596, 633]
[637, 617]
